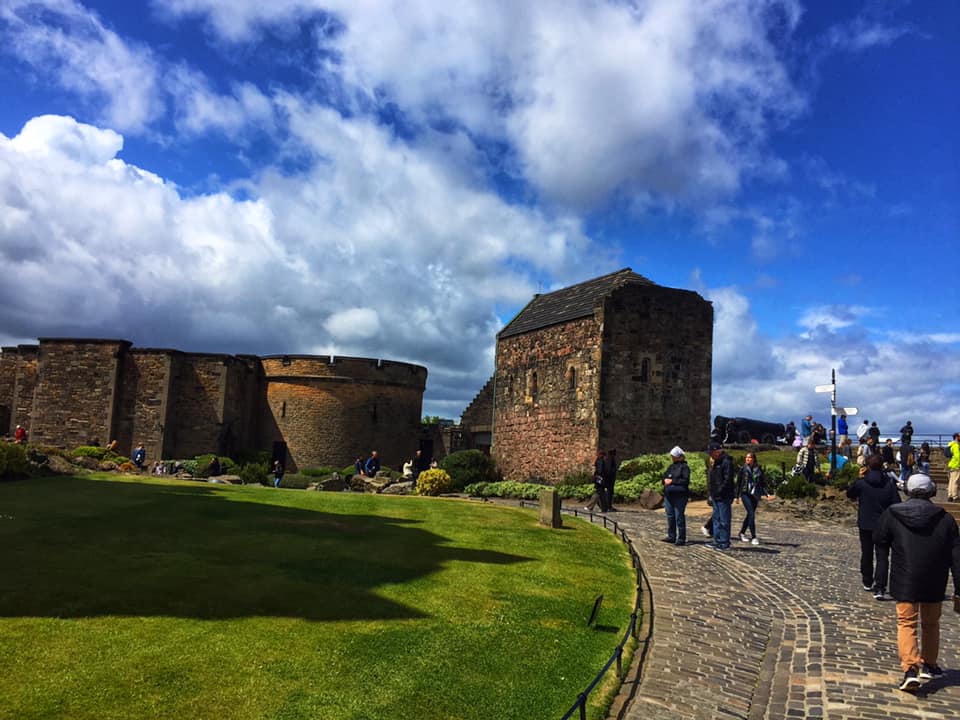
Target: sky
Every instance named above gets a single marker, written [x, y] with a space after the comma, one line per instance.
[397, 179]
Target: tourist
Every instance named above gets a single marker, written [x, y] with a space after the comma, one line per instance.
[874, 432]
[842, 429]
[214, 468]
[420, 463]
[875, 492]
[676, 492]
[20, 435]
[807, 460]
[953, 468]
[721, 490]
[372, 466]
[866, 450]
[277, 473]
[907, 461]
[806, 428]
[599, 496]
[610, 468]
[139, 456]
[888, 453]
[358, 466]
[862, 430]
[906, 433]
[407, 470]
[751, 486]
[923, 458]
[925, 546]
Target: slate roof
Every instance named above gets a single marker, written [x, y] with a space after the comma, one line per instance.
[570, 303]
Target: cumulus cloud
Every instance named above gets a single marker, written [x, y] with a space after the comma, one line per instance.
[63, 39]
[666, 99]
[371, 250]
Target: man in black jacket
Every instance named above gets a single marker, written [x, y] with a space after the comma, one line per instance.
[925, 546]
[721, 491]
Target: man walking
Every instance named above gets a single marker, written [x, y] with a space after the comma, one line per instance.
[925, 546]
[721, 489]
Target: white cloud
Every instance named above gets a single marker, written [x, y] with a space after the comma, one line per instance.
[64, 39]
[374, 250]
[833, 317]
[670, 99]
[353, 324]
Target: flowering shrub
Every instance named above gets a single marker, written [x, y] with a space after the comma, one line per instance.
[434, 482]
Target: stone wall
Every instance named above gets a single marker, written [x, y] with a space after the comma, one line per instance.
[143, 400]
[195, 412]
[24, 384]
[477, 419]
[545, 409]
[656, 370]
[8, 377]
[75, 397]
[328, 411]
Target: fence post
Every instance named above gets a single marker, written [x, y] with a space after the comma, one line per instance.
[550, 508]
[583, 706]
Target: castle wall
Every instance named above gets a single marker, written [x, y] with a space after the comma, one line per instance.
[8, 378]
[656, 370]
[196, 407]
[142, 401]
[75, 393]
[24, 384]
[545, 405]
[329, 412]
[477, 419]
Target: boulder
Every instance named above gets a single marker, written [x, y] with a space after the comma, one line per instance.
[357, 481]
[331, 483]
[60, 465]
[407, 487]
[88, 462]
[650, 500]
[375, 484]
[107, 466]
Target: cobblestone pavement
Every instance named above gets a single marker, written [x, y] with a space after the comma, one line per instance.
[779, 630]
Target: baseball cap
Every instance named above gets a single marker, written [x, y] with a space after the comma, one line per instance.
[920, 484]
[677, 451]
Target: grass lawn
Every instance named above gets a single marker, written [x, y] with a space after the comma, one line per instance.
[169, 599]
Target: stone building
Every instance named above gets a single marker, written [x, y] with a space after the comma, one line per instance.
[306, 410]
[614, 362]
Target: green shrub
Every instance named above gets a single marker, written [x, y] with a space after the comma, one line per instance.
[201, 465]
[646, 473]
[504, 489]
[13, 460]
[466, 467]
[845, 476]
[92, 451]
[294, 481]
[434, 482]
[257, 457]
[797, 487]
[348, 472]
[577, 477]
[321, 471]
[254, 473]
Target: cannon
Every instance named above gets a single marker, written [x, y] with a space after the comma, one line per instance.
[746, 430]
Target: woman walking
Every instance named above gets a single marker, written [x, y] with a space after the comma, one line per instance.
[676, 491]
[751, 486]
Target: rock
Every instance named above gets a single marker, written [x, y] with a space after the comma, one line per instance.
[407, 487]
[230, 479]
[331, 483]
[107, 466]
[60, 465]
[88, 462]
[375, 484]
[357, 481]
[650, 500]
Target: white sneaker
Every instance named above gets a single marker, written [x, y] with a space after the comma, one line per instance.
[744, 538]
[704, 531]
[755, 541]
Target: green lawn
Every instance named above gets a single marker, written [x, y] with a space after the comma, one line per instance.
[168, 599]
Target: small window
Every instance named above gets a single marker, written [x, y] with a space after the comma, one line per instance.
[572, 378]
[534, 388]
[645, 370]
[283, 409]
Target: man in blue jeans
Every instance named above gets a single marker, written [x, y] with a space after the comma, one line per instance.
[721, 488]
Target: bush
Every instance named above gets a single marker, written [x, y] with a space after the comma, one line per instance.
[504, 489]
[257, 457]
[578, 477]
[13, 460]
[646, 473]
[467, 467]
[434, 482]
[845, 476]
[294, 481]
[321, 471]
[348, 472]
[254, 473]
[92, 451]
[201, 463]
[797, 487]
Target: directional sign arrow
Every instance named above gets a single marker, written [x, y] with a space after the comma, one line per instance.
[850, 411]
[823, 388]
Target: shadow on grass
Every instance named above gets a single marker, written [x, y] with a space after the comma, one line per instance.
[75, 547]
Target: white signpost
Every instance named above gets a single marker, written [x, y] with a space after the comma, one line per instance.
[832, 389]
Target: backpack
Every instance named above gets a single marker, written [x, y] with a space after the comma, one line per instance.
[910, 459]
[946, 452]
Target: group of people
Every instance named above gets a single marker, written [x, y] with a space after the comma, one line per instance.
[604, 478]
[416, 465]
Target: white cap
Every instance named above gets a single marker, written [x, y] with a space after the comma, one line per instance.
[677, 451]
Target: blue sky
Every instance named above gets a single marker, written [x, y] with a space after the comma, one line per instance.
[396, 179]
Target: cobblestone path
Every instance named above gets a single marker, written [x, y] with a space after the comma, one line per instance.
[779, 630]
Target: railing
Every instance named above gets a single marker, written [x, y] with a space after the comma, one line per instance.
[632, 627]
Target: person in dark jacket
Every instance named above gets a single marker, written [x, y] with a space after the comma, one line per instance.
[599, 491]
[721, 490]
[751, 486]
[875, 492]
[610, 467]
[676, 491]
[925, 545]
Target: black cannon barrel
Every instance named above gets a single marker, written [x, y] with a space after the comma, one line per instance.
[745, 430]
